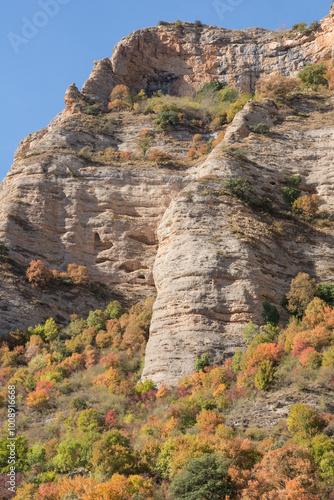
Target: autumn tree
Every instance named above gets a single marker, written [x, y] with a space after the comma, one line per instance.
[302, 290]
[286, 472]
[120, 98]
[39, 274]
[307, 206]
[113, 454]
[304, 419]
[144, 142]
[78, 274]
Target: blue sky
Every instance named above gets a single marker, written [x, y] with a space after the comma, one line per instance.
[38, 63]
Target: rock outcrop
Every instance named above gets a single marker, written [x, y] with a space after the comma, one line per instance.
[179, 60]
[140, 230]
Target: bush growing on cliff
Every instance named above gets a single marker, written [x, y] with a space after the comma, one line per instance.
[302, 290]
[238, 187]
[93, 109]
[292, 192]
[38, 273]
[307, 206]
[313, 75]
[261, 128]
[304, 29]
[160, 158]
[202, 362]
[237, 106]
[276, 86]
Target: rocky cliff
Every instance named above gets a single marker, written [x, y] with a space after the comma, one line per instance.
[141, 230]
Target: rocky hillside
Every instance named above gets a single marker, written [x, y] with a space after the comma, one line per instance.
[139, 229]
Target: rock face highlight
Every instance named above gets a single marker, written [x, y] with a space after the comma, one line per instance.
[143, 230]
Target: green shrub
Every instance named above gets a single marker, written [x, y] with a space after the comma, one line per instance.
[202, 362]
[93, 109]
[198, 23]
[78, 403]
[326, 292]
[168, 118]
[270, 313]
[304, 419]
[201, 478]
[320, 445]
[144, 387]
[89, 420]
[249, 332]
[264, 204]
[237, 106]
[212, 87]
[264, 375]
[236, 360]
[304, 29]
[114, 310]
[229, 94]
[292, 192]
[178, 23]
[301, 27]
[71, 455]
[238, 187]
[327, 465]
[261, 128]
[21, 451]
[313, 75]
[328, 357]
[97, 319]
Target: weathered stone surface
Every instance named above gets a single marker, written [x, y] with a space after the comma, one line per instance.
[218, 260]
[253, 113]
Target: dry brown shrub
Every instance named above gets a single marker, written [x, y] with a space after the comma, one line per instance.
[276, 86]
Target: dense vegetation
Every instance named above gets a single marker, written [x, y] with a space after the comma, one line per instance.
[89, 429]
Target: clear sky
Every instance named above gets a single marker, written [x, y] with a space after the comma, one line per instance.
[48, 44]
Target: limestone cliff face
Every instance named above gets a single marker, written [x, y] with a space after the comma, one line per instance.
[218, 260]
[180, 60]
[142, 230]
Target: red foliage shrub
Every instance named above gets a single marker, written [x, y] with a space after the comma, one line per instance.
[47, 491]
[310, 357]
[125, 155]
[111, 360]
[298, 347]
[73, 363]
[111, 419]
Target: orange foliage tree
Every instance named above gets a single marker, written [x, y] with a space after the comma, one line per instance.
[285, 473]
[307, 206]
[38, 273]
